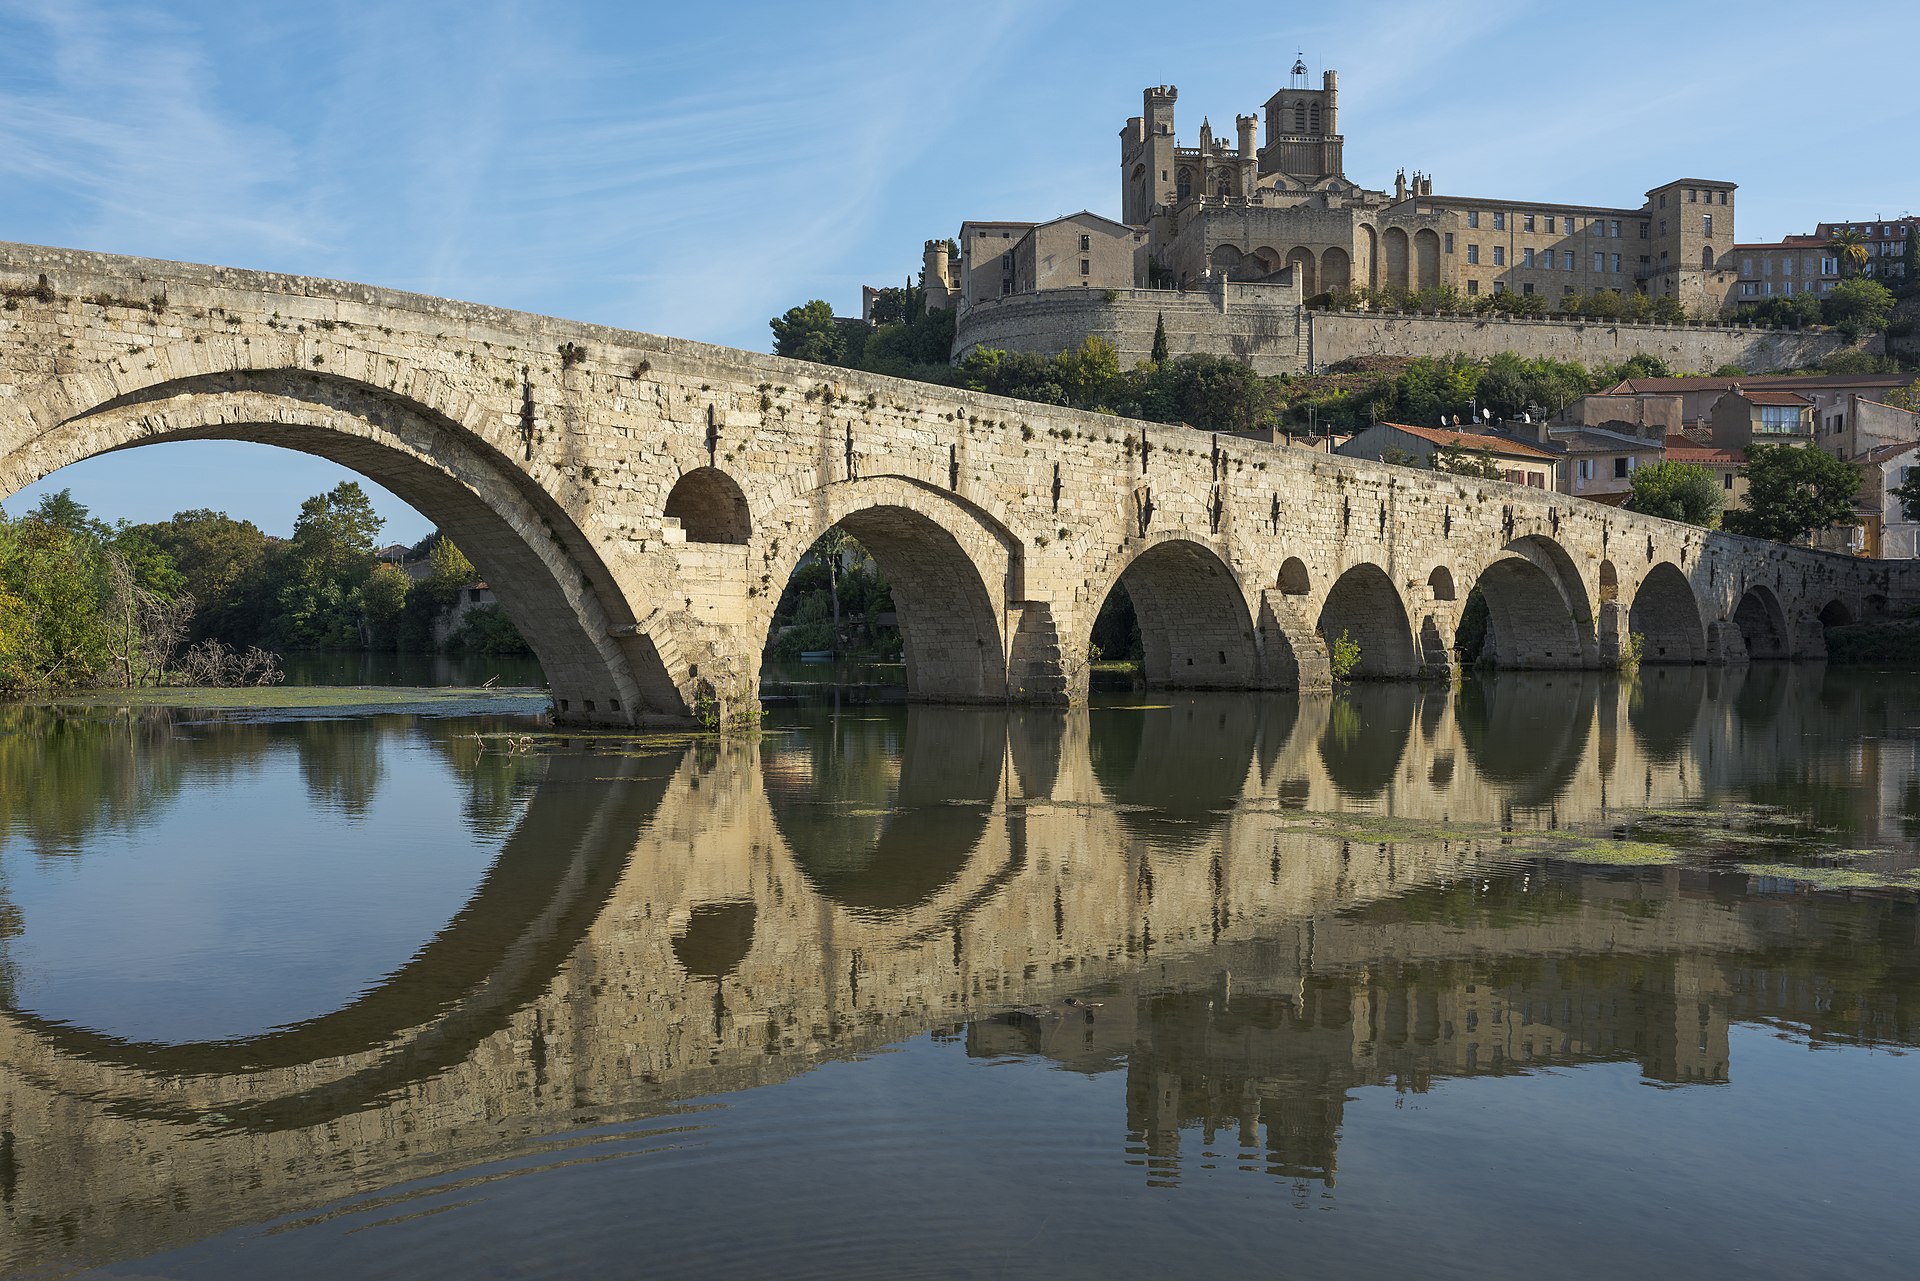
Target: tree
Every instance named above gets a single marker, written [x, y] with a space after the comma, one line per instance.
[1792, 491]
[1908, 397]
[1858, 307]
[382, 598]
[1677, 491]
[221, 562]
[1457, 460]
[1850, 247]
[322, 568]
[1908, 492]
[1910, 264]
[1159, 353]
[809, 332]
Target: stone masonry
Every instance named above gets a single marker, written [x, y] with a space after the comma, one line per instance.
[638, 503]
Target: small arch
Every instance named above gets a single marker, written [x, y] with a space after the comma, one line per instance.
[1667, 617]
[714, 938]
[1336, 269]
[1228, 262]
[1365, 607]
[1292, 579]
[1300, 117]
[1763, 624]
[1300, 258]
[1269, 259]
[1835, 614]
[1370, 252]
[710, 507]
[1609, 583]
[1223, 184]
[1440, 583]
[1706, 255]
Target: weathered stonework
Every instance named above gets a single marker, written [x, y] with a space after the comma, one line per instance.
[1265, 328]
[638, 502]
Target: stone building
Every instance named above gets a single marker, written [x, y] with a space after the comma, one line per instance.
[1520, 463]
[1808, 264]
[1250, 210]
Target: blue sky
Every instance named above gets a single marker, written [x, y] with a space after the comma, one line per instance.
[694, 169]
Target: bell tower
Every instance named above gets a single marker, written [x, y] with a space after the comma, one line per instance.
[1303, 129]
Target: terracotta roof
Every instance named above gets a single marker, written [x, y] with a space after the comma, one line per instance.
[1776, 398]
[1598, 440]
[1680, 449]
[1470, 440]
[1880, 453]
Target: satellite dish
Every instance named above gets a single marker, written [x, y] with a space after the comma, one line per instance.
[1487, 414]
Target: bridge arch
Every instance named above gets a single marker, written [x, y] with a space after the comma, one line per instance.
[953, 569]
[1763, 624]
[601, 665]
[1537, 607]
[1364, 605]
[710, 507]
[1196, 626]
[1666, 614]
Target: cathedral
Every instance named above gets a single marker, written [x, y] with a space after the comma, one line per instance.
[1274, 205]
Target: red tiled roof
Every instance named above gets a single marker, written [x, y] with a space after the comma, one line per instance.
[1469, 440]
[1776, 398]
[1682, 450]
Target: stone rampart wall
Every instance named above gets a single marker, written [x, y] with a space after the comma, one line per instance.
[1263, 326]
[1343, 335]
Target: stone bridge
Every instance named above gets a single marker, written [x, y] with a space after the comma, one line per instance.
[638, 503]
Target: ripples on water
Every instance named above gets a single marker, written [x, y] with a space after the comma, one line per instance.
[1527, 976]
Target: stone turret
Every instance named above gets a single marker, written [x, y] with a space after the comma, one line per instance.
[936, 267]
[1247, 125]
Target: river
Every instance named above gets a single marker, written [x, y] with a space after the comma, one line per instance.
[1524, 976]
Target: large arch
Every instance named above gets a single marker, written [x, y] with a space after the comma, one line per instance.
[601, 664]
[1763, 624]
[1666, 615]
[1370, 255]
[948, 562]
[1426, 258]
[1365, 607]
[886, 844]
[1399, 256]
[1537, 608]
[1336, 269]
[554, 877]
[1196, 628]
[1300, 258]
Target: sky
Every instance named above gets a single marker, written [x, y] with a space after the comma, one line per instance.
[693, 170]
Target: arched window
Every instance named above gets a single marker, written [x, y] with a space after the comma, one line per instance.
[1316, 118]
[1183, 184]
[1223, 183]
[1299, 117]
[1706, 256]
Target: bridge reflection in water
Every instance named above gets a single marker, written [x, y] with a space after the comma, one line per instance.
[1249, 906]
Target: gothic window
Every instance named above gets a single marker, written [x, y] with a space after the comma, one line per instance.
[1299, 117]
[1316, 118]
[1184, 186]
[1223, 183]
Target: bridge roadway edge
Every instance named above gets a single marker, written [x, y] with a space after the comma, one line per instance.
[557, 447]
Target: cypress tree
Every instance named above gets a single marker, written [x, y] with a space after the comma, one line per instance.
[1160, 338]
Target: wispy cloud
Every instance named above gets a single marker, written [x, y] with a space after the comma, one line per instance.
[112, 112]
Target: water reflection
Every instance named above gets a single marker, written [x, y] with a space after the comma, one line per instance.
[1252, 908]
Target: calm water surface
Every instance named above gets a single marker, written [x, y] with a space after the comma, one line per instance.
[1520, 978]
